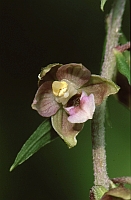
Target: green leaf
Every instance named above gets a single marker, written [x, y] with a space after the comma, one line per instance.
[102, 4]
[122, 65]
[43, 135]
[123, 40]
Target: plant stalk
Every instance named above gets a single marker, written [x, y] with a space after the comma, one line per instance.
[108, 70]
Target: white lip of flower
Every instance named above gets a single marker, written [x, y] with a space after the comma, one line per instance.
[63, 90]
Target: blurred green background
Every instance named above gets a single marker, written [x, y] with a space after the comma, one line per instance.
[34, 34]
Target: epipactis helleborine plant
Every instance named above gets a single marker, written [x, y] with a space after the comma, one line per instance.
[69, 94]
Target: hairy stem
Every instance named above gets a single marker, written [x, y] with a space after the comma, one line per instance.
[113, 32]
[98, 143]
[108, 69]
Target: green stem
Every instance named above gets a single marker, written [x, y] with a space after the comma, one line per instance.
[108, 70]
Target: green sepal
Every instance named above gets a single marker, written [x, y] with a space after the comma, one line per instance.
[100, 87]
[43, 135]
[66, 130]
[122, 65]
[97, 192]
[103, 4]
[119, 192]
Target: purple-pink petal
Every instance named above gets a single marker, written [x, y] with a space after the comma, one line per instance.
[83, 112]
[44, 101]
[76, 73]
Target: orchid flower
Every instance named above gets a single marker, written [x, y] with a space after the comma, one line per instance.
[68, 94]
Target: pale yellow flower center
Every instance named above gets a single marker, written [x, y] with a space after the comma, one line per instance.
[63, 90]
[59, 88]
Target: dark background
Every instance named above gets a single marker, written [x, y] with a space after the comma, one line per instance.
[35, 34]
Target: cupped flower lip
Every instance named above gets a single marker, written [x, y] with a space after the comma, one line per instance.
[82, 112]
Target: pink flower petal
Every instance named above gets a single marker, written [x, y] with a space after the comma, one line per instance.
[44, 101]
[83, 112]
[76, 73]
[87, 104]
